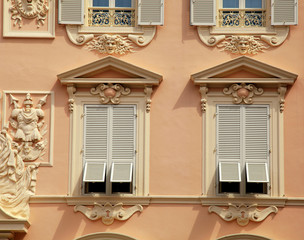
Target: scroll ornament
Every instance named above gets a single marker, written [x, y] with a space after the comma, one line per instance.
[29, 129]
[108, 212]
[243, 93]
[17, 182]
[29, 9]
[243, 214]
[110, 93]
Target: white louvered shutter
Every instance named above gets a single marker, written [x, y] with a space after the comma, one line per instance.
[94, 172]
[150, 12]
[284, 12]
[203, 12]
[71, 11]
[230, 172]
[96, 133]
[123, 134]
[257, 172]
[121, 172]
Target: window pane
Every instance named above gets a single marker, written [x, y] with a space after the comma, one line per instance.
[230, 3]
[253, 4]
[123, 3]
[100, 3]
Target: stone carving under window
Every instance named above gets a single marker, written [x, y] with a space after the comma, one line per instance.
[17, 182]
[243, 93]
[111, 44]
[29, 9]
[29, 128]
[243, 213]
[108, 212]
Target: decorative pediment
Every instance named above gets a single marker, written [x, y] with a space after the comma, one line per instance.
[244, 70]
[110, 70]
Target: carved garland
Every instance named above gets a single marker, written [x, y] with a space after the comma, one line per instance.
[243, 213]
[243, 93]
[108, 212]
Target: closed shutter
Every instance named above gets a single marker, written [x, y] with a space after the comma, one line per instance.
[71, 11]
[284, 12]
[202, 12]
[150, 12]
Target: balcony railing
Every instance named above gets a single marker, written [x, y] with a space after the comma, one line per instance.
[242, 18]
[111, 17]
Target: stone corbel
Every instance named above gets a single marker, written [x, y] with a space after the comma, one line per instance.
[203, 90]
[148, 91]
[110, 93]
[108, 212]
[207, 38]
[282, 91]
[71, 90]
[75, 37]
[243, 93]
[143, 39]
[278, 39]
[243, 213]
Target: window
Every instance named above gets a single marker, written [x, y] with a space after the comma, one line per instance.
[242, 150]
[109, 148]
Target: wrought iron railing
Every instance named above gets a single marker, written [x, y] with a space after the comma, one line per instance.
[111, 17]
[242, 18]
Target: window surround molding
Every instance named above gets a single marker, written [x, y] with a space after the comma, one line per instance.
[80, 83]
[242, 236]
[105, 236]
[212, 82]
[240, 40]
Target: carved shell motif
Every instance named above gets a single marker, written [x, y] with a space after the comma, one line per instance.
[243, 93]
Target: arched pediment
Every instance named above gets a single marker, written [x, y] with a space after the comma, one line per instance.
[243, 237]
[105, 236]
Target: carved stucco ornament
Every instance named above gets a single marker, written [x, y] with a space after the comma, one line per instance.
[243, 213]
[29, 9]
[243, 93]
[110, 93]
[29, 128]
[17, 182]
[282, 91]
[148, 91]
[203, 90]
[108, 212]
[242, 45]
[110, 44]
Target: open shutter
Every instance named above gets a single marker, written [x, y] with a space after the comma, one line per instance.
[121, 172]
[257, 172]
[94, 172]
[95, 133]
[150, 12]
[71, 11]
[230, 172]
[284, 12]
[202, 12]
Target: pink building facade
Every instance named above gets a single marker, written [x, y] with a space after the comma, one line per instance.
[151, 119]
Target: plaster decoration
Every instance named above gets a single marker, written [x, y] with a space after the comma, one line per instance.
[108, 212]
[29, 9]
[203, 90]
[243, 93]
[148, 91]
[71, 90]
[111, 44]
[29, 128]
[110, 93]
[17, 182]
[243, 213]
[282, 91]
[242, 45]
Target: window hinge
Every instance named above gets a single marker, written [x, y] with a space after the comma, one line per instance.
[269, 115]
[82, 115]
[135, 151]
[269, 187]
[269, 151]
[214, 150]
[135, 115]
[81, 151]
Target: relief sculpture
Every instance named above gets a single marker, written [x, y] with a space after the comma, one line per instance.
[29, 128]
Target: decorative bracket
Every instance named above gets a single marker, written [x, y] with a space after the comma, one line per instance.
[243, 93]
[282, 91]
[203, 90]
[148, 91]
[110, 93]
[243, 213]
[108, 212]
[71, 90]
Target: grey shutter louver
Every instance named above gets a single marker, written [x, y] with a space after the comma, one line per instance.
[202, 12]
[95, 133]
[229, 172]
[150, 12]
[256, 133]
[228, 133]
[121, 172]
[123, 133]
[284, 12]
[71, 11]
[257, 172]
[94, 172]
